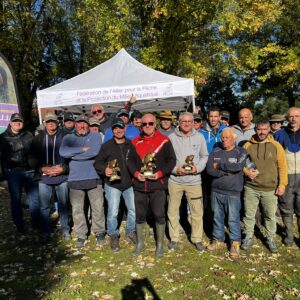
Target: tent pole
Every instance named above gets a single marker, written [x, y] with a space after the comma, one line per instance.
[193, 103]
[40, 116]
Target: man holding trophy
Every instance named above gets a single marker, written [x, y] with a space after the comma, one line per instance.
[111, 163]
[150, 168]
[191, 157]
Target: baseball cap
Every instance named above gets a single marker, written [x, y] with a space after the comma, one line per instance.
[123, 111]
[117, 123]
[68, 116]
[50, 116]
[94, 121]
[16, 117]
[197, 117]
[82, 118]
[225, 114]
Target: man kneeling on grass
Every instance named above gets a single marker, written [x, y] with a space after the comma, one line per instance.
[225, 164]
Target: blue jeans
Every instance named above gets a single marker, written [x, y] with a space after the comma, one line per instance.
[113, 197]
[62, 193]
[17, 179]
[222, 206]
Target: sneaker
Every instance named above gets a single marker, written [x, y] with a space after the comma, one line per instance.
[131, 237]
[272, 246]
[173, 245]
[234, 249]
[66, 236]
[216, 245]
[80, 243]
[199, 246]
[114, 243]
[101, 239]
[247, 243]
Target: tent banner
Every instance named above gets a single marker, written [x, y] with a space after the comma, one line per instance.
[112, 94]
[8, 93]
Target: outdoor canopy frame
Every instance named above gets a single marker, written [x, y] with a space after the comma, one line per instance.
[113, 82]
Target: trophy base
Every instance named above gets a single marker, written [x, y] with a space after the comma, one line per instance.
[114, 177]
[187, 168]
[149, 175]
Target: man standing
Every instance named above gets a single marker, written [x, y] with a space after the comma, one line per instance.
[212, 128]
[81, 148]
[166, 117]
[69, 122]
[151, 191]
[130, 130]
[98, 112]
[51, 171]
[15, 145]
[266, 178]
[118, 148]
[187, 141]
[289, 138]
[225, 165]
[245, 129]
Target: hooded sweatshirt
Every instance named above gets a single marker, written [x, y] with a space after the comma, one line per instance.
[184, 145]
[270, 161]
[212, 137]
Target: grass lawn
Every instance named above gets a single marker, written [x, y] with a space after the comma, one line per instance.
[59, 271]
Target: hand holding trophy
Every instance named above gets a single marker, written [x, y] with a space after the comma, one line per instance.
[188, 166]
[148, 165]
[114, 166]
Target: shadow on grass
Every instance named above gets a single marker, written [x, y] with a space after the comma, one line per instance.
[28, 269]
[137, 290]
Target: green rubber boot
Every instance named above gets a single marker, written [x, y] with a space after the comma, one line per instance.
[140, 246]
[160, 234]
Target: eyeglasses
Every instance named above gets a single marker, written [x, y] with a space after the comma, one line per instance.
[149, 124]
[99, 111]
[274, 122]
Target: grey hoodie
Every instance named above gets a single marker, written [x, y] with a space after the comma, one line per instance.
[243, 136]
[183, 145]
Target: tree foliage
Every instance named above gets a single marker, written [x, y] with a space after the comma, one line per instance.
[238, 52]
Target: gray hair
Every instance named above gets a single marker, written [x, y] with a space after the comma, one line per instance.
[185, 113]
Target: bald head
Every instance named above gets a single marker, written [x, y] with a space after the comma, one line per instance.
[228, 137]
[245, 118]
[293, 117]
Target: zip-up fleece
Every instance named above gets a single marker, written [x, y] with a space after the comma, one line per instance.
[164, 160]
[184, 145]
[243, 136]
[270, 161]
[109, 151]
[211, 138]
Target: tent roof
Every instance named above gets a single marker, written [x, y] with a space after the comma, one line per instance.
[113, 82]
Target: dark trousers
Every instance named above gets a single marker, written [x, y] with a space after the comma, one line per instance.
[155, 200]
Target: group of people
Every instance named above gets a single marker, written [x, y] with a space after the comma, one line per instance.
[153, 165]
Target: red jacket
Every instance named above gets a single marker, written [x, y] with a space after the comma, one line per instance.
[165, 160]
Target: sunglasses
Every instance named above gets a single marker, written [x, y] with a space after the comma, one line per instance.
[97, 111]
[149, 124]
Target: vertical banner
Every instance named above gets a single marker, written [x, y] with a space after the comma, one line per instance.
[8, 93]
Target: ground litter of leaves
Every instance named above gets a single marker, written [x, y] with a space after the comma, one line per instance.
[58, 270]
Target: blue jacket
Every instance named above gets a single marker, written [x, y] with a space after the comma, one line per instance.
[82, 163]
[130, 133]
[288, 139]
[210, 138]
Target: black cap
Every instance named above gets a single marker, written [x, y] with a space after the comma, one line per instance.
[123, 111]
[197, 117]
[225, 114]
[16, 117]
[82, 118]
[117, 122]
[68, 116]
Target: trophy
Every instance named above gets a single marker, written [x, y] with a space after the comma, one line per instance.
[114, 165]
[148, 165]
[188, 163]
[250, 165]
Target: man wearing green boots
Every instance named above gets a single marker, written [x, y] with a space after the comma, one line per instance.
[150, 167]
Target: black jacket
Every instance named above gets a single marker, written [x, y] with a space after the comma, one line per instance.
[14, 149]
[109, 151]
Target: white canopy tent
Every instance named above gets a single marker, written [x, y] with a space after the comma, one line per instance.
[113, 82]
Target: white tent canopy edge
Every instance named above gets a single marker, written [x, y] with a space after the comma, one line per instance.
[113, 82]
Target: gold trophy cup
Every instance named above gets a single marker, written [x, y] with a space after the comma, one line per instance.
[114, 165]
